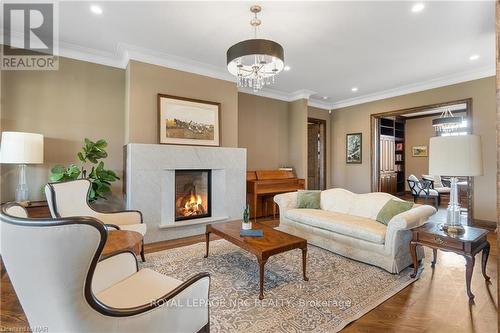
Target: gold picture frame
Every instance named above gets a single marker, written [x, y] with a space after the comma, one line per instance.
[188, 121]
[419, 151]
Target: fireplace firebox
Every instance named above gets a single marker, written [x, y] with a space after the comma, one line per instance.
[192, 194]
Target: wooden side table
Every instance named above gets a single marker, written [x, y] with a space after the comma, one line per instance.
[467, 245]
[119, 240]
[38, 209]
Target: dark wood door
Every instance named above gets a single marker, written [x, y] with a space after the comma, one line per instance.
[388, 176]
[316, 154]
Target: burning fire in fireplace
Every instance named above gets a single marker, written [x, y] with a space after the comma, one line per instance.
[192, 205]
[192, 194]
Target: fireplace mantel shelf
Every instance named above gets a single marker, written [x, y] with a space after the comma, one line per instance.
[204, 220]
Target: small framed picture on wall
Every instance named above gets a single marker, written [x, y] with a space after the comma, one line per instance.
[419, 151]
[354, 152]
[186, 121]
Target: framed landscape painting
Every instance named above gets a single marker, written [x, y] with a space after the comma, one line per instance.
[419, 151]
[354, 148]
[186, 121]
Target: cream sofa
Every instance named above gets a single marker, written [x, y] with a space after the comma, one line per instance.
[346, 225]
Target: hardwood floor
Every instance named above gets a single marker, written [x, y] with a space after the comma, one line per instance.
[437, 302]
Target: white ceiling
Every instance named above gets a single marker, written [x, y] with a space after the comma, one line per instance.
[380, 47]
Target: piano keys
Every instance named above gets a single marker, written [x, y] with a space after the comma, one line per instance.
[263, 185]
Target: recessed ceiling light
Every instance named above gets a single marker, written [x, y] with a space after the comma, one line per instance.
[354, 89]
[325, 97]
[418, 7]
[287, 68]
[474, 57]
[96, 9]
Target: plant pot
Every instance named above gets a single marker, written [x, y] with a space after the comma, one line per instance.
[246, 226]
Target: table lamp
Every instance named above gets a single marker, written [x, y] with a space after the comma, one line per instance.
[21, 148]
[455, 156]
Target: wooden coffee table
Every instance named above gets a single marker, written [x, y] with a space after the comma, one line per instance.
[119, 240]
[273, 242]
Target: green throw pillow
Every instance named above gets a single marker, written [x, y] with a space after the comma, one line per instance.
[308, 199]
[391, 209]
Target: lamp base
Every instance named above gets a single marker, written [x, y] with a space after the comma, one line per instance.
[22, 187]
[453, 229]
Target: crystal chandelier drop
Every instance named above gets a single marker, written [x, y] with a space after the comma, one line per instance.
[255, 62]
[447, 122]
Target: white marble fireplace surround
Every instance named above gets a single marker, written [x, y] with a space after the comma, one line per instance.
[149, 182]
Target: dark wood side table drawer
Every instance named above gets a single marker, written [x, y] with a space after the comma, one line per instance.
[439, 240]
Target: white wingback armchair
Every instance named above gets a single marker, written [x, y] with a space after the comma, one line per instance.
[66, 199]
[54, 267]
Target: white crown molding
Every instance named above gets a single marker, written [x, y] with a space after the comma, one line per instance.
[301, 94]
[279, 95]
[132, 52]
[417, 87]
[267, 92]
[319, 104]
[126, 52]
[78, 52]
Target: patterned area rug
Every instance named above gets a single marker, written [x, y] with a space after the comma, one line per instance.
[338, 292]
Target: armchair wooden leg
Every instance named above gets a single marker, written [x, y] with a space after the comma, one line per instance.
[142, 252]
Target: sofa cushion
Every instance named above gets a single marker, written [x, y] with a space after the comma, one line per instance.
[308, 199]
[337, 200]
[369, 204]
[348, 225]
[364, 205]
[391, 209]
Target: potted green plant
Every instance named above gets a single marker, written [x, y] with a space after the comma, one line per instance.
[246, 225]
[100, 178]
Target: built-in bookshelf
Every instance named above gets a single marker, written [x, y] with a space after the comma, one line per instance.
[395, 128]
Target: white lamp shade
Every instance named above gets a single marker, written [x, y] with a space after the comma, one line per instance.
[459, 155]
[21, 148]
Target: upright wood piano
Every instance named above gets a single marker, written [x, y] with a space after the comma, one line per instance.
[263, 185]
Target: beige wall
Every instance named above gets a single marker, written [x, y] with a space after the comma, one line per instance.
[263, 130]
[357, 119]
[418, 132]
[146, 81]
[79, 100]
[275, 132]
[318, 113]
[297, 137]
